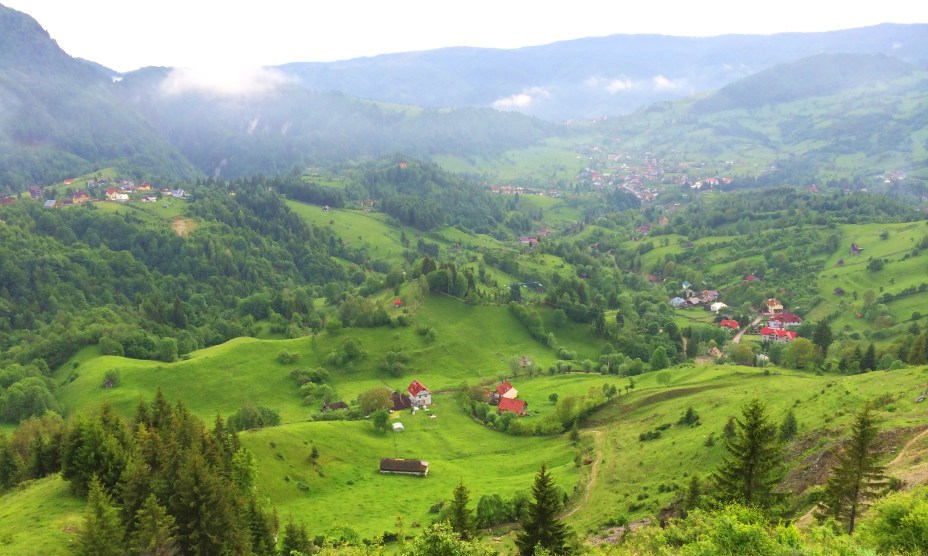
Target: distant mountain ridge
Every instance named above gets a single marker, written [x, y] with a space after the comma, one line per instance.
[592, 77]
[61, 116]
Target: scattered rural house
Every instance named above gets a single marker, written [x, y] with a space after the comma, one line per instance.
[50, 204]
[717, 306]
[855, 249]
[35, 192]
[504, 390]
[80, 196]
[528, 240]
[111, 193]
[401, 401]
[333, 406]
[750, 278]
[776, 335]
[783, 321]
[514, 405]
[397, 303]
[715, 352]
[398, 427]
[394, 466]
[678, 302]
[144, 187]
[730, 324]
[663, 221]
[710, 295]
[69, 181]
[694, 301]
[773, 306]
[8, 200]
[686, 285]
[419, 394]
[839, 291]
[179, 193]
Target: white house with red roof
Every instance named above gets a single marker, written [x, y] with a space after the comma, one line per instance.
[419, 394]
[506, 390]
[776, 335]
[783, 321]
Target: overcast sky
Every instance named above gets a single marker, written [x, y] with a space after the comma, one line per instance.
[127, 34]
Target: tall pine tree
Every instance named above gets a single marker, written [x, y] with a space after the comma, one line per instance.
[541, 527]
[856, 477]
[101, 533]
[460, 516]
[753, 466]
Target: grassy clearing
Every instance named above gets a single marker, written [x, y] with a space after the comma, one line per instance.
[358, 228]
[634, 473]
[39, 518]
[345, 487]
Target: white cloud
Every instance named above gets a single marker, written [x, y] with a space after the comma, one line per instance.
[620, 85]
[224, 81]
[662, 83]
[520, 101]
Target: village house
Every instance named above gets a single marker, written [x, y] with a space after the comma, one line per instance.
[419, 394]
[730, 324]
[504, 390]
[784, 320]
[514, 405]
[773, 306]
[80, 196]
[774, 335]
[395, 466]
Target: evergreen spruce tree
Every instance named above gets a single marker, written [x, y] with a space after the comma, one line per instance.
[918, 353]
[541, 527]
[788, 427]
[822, 337]
[296, 539]
[11, 465]
[461, 517]
[154, 531]
[856, 477]
[868, 361]
[753, 467]
[102, 532]
[693, 494]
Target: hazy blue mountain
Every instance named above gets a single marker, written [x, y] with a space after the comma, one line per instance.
[59, 117]
[593, 77]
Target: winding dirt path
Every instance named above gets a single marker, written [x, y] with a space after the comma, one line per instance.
[905, 448]
[594, 472]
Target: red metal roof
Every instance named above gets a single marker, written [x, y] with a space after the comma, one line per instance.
[516, 405]
[415, 387]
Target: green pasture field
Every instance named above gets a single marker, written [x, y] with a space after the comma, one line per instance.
[632, 472]
[346, 488]
[473, 344]
[358, 228]
[544, 166]
[39, 518]
[149, 211]
[901, 271]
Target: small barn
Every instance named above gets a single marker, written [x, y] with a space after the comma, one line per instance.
[511, 404]
[399, 466]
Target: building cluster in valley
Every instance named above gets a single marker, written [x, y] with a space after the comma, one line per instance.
[96, 190]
